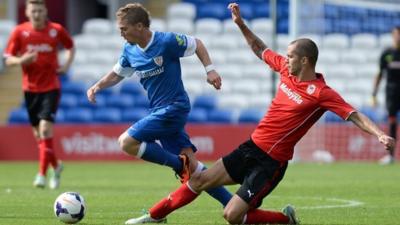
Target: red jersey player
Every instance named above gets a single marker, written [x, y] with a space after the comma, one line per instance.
[34, 46]
[259, 164]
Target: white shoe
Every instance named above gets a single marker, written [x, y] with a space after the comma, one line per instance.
[54, 181]
[386, 160]
[290, 212]
[40, 181]
[146, 218]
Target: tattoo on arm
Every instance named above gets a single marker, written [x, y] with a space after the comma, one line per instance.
[256, 44]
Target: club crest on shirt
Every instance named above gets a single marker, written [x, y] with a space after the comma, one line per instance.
[158, 60]
[311, 89]
[25, 33]
[53, 33]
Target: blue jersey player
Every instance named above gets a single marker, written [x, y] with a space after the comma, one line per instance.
[154, 58]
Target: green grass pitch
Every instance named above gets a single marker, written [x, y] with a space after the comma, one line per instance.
[340, 193]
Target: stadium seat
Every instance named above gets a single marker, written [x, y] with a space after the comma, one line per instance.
[18, 116]
[133, 115]
[87, 73]
[364, 41]
[261, 26]
[97, 26]
[232, 101]
[182, 10]
[385, 40]
[193, 86]
[259, 101]
[78, 115]
[83, 42]
[221, 116]
[132, 88]
[261, 10]
[68, 101]
[329, 56]
[354, 57]
[60, 116]
[208, 26]
[74, 87]
[250, 116]
[335, 41]
[230, 71]
[183, 26]
[113, 43]
[83, 102]
[142, 101]
[226, 41]
[120, 101]
[158, 24]
[104, 57]
[207, 102]
[238, 57]
[197, 115]
[6, 26]
[246, 86]
[377, 115]
[107, 115]
[212, 10]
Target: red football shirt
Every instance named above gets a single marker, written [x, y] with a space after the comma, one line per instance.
[295, 108]
[41, 75]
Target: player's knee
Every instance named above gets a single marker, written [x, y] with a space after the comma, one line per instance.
[232, 217]
[127, 145]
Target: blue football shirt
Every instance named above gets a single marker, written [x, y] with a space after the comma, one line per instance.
[158, 66]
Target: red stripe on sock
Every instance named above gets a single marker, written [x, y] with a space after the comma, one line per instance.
[182, 196]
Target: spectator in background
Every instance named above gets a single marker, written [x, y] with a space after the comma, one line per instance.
[154, 57]
[389, 65]
[33, 45]
[260, 163]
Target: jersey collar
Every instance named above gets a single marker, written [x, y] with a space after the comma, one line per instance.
[148, 44]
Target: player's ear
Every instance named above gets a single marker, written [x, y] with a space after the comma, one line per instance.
[304, 60]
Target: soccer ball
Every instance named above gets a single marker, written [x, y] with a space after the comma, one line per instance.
[69, 207]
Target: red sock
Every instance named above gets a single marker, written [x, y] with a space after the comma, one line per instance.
[258, 216]
[43, 161]
[182, 196]
[50, 155]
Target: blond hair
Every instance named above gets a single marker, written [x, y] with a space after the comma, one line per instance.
[134, 13]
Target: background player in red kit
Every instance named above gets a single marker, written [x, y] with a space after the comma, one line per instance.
[34, 46]
[259, 164]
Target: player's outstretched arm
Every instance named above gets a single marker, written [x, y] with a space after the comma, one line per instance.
[213, 77]
[256, 44]
[365, 124]
[108, 80]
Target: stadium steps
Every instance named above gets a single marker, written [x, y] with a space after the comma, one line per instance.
[10, 91]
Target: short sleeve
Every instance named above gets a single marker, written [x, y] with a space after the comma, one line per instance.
[13, 47]
[65, 38]
[122, 67]
[180, 45]
[274, 60]
[332, 101]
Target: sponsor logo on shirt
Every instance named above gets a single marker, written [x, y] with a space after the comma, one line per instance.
[25, 33]
[40, 48]
[291, 94]
[180, 40]
[158, 60]
[149, 73]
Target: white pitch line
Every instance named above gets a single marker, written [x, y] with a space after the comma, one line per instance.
[346, 203]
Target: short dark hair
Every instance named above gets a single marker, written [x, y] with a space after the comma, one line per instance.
[306, 48]
[134, 13]
[396, 28]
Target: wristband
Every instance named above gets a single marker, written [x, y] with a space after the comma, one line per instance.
[209, 68]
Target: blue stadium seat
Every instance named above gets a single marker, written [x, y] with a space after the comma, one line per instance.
[261, 10]
[120, 101]
[74, 87]
[250, 116]
[133, 115]
[331, 117]
[60, 116]
[212, 10]
[221, 116]
[106, 92]
[197, 115]
[84, 102]
[142, 101]
[78, 115]
[18, 116]
[107, 115]
[375, 114]
[67, 101]
[207, 102]
[133, 88]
